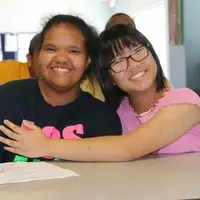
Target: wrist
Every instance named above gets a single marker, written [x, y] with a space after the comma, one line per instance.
[47, 148]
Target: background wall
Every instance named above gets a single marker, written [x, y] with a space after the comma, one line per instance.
[177, 65]
[25, 15]
[133, 6]
[192, 42]
[184, 60]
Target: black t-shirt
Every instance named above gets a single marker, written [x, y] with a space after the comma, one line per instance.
[83, 118]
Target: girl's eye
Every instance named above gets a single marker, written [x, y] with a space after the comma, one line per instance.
[50, 49]
[73, 51]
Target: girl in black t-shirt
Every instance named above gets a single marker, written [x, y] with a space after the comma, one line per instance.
[55, 102]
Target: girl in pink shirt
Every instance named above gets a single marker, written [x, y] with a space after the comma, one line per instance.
[155, 119]
[189, 142]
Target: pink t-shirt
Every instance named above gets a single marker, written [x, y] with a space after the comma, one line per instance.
[190, 142]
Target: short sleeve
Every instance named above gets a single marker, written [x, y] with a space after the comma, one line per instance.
[180, 96]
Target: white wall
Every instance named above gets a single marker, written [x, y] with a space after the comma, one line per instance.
[152, 24]
[131, 7]
[25, 15]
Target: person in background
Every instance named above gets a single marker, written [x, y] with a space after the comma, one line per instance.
[14, 70]
[156, 119]
[120, 18]
[55, 101]
[32, 57]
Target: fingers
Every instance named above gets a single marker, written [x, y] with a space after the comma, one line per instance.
[9, 142]
[13, 150]
[13, 127]
[30, 125]
[9, 133]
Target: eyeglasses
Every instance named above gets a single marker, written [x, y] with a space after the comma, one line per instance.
[121, 64]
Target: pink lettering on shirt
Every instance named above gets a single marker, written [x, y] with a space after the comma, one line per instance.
[69, 131]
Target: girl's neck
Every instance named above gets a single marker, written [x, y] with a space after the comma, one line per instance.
[143, 101]
[55, 98]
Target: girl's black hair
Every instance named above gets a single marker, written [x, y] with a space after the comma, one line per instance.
[114, 39]
[89, 33]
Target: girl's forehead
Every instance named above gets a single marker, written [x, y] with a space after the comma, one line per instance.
[125, 50]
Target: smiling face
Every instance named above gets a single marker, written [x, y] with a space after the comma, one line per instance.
[63, 57]
[138, 76]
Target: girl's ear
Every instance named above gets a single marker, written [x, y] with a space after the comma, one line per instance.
[88, 61]
[113, 83]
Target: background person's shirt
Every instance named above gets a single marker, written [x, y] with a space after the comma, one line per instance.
[11, 70]
[189, 142]
[83, 118]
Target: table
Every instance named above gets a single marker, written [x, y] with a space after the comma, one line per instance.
[156, 178]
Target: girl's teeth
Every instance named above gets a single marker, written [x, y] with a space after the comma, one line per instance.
[138, 75]
[61, 69]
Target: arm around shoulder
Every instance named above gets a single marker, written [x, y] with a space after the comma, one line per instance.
[171, 122]
[168, 125]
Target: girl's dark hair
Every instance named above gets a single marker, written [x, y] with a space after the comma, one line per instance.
[112, 40]
[89, 33]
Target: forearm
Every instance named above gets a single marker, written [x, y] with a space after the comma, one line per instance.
[148, 138]
[109, 148]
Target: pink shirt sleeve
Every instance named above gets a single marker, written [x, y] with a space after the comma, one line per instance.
[180, 96]
[190, 141]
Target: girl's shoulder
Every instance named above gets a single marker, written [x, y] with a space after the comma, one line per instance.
[180, 96]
